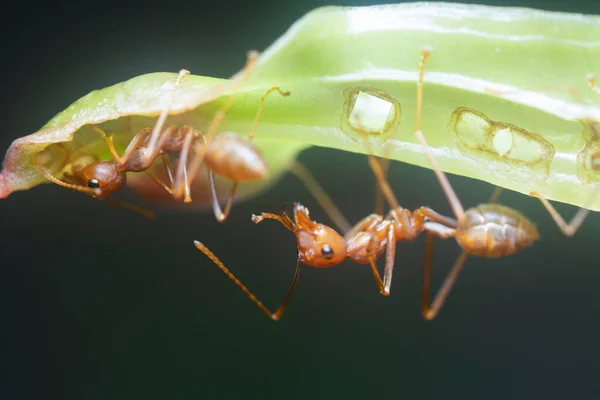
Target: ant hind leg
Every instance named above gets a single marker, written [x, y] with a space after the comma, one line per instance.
[570, 228]
[428, 311]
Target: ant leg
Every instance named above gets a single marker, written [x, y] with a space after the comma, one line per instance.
[156, 131]
[236, 81]
[221, 215]
[426, 212]
[440, 230]
[275, 316]
[317, 191]
[390, 257]
[146, 213]
[133, 144]
[379, 171]
[568, 229]
[373, 264]
[426, 277]
[260, 108]
[379, 195]
[166, 159]
[430, 312]
[283, 218]
[159, 181]
[384, 185]
[455, 203]
[495, 195]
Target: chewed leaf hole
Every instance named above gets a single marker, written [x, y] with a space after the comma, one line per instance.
[476, 134]
[369, 112]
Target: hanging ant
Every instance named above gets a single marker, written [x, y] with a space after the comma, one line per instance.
[229, 156]
[102, 178]
[487, 230]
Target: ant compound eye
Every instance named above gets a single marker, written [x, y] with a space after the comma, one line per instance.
[327, 251]
[93, 183]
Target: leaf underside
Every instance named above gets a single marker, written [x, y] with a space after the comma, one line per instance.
[506, 99]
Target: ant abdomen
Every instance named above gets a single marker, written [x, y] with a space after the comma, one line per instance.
[235, 158]
[493, 230]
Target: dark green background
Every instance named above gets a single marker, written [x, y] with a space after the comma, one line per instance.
[98, 303]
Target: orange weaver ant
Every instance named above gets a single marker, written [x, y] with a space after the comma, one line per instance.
[488, 230]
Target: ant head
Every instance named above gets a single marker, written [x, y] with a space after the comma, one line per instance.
[318, 244]
[103, 177]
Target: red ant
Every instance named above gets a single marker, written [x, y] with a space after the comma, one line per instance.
[229, 156]
[487, 230]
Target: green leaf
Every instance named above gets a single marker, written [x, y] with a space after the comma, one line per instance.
[123, 110]
[505, 95]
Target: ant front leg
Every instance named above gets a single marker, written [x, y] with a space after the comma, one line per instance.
[275, 316]
[364, 242]
[283, 219]
[133, 144]
[390, 256]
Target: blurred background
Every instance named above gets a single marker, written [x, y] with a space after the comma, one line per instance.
[99, 303]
